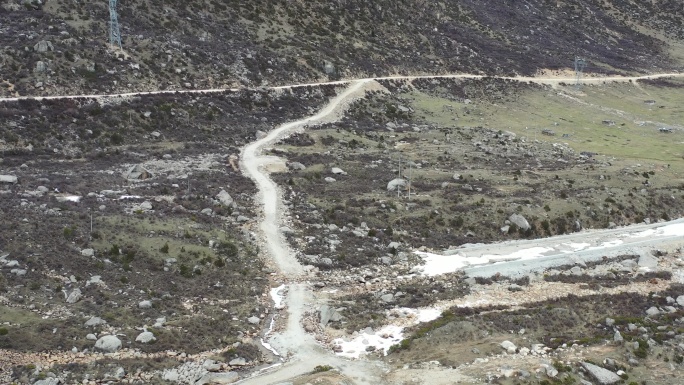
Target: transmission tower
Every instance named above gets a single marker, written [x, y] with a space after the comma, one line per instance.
[114, 33]
[580, 64]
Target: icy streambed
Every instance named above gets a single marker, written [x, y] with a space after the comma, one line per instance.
[277, 298]
[436, 264]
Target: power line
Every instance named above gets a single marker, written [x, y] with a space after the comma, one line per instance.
[114, 33]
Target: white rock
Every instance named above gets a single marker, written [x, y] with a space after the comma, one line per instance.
[145, 337]
[74, 296]
[145, 304]
[509, 347]
[87, 252]
[108, 344]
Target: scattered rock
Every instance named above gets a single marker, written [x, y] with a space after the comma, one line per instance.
[95, 321]
[74, 296]
[387, 298]
[238, 362]
[601, 375]
[254, 320]
[329, 314]
[108, 344]
[145, 304]
[146, 206]
[87, 252]
[137, 172]
[395, 184]
[296, 166]
[218, 378]
[509, 347]
[225, 198]
[145, 337]
[653, 311]
[8, 179]
[519, 221]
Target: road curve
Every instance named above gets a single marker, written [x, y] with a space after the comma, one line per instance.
[540, 80]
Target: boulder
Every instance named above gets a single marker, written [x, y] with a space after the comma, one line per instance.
[329, 314]
[254, 320]
[87, 252]
[509, 347]
[108, 344]
[338, 171]
[652, 311]
[74, 296]
[387, 298]
[601, 375]
[296, 166]
[394, 184]
[145, 337]
[648, 261]
[145, 304]
[225, 198]
[8, 179]
[137, 172]
[95, 321]
[91, 337]
[218, 378]
[519, 221]
[146, 206]
[238, 362]
[330, 180]
[680, 300]
[43, 46]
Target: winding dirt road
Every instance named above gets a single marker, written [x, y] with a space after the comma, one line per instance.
[302, 349]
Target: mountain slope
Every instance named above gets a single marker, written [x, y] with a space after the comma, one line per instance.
[172, 44]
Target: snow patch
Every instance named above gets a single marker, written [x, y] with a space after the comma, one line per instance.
[277, 297]
[380, 340]
[436, 264]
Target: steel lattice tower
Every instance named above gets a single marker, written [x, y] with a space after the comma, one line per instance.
[580, 64]
[114, 33]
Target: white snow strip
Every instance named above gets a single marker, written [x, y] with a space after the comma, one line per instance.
[674, 230]
[269, 347]
[269, 368]
[381, 340]
[277, 298]
[436, 264]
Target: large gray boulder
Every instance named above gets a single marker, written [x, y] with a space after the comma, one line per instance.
[329, 314]
[95, 321]
[225, 198]
[601, 375]
[394, 184]
[8, 179]
[519, 221]
[145, 337]
[43, 46]
[509, 347]
[74, 296]
[108, 344]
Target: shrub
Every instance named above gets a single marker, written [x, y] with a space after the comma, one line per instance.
[165, 249]
[3, 331]
[322, 368]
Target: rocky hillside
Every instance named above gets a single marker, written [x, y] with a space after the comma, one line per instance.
[60, 46]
